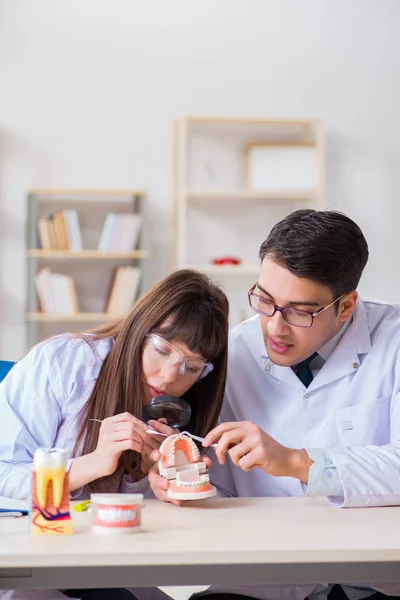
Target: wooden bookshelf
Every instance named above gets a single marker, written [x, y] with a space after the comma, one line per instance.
[87, 269]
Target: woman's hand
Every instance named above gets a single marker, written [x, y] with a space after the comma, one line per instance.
[117, 434]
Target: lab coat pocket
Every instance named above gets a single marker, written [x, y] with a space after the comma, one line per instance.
[363, 424]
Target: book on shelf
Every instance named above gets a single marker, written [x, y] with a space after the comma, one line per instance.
[60, 231]
[120, 232]
[123, 290]
[56, 293]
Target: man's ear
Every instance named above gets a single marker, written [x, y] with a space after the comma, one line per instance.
[347, 305]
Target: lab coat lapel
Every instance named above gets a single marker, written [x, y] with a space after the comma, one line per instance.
[284, 374]
[345, 358]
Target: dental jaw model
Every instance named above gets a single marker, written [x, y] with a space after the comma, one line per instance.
[50, 513]
[181, 463]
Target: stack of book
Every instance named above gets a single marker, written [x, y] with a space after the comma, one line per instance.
[60, 231]
[120, 232]
[56, 293]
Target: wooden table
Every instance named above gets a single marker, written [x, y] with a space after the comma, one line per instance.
[217, 541]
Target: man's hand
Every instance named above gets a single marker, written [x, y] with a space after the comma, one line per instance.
[159, 484]
[249, 447]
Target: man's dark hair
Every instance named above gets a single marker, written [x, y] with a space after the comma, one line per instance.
[325, 246]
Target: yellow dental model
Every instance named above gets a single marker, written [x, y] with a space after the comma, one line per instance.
[50, 493]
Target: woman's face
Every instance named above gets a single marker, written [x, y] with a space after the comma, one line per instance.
[169, 367]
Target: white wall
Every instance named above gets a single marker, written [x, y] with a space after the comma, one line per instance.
[89, 89]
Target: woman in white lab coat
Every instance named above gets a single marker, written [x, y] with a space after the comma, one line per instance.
[88, 393]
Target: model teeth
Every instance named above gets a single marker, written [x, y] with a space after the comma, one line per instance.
[204, 479]
[112, 515]
[194, 449]
[50, 466]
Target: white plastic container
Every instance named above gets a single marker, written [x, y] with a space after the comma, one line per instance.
[116, 514]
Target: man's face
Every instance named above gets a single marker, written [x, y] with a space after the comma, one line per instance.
[287, 344]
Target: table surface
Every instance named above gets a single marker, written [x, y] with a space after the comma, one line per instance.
[296, 538]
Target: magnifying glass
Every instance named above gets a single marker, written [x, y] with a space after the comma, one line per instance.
[176, 411]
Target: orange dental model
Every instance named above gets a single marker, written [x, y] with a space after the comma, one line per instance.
[50, 512]
[180, 462]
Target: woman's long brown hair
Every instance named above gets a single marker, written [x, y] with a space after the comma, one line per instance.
[184, 306]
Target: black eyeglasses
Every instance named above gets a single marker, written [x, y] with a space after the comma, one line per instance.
[293, 316]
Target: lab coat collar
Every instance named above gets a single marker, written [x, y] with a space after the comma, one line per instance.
[344, 359]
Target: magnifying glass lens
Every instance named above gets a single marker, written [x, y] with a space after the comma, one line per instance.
[175, 410]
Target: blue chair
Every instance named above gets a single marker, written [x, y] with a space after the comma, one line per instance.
[5, 366]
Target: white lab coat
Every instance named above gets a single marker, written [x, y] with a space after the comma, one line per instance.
[352, 408]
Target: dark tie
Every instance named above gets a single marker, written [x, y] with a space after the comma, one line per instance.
[303, 370]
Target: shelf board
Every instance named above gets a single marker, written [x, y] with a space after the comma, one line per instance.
[47, 317]
[85, 254]
[280, 144]
[85, 192]
[243, 269]
[203, 120]
[266, 195]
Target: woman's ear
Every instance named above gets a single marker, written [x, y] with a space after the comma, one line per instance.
[347, 305]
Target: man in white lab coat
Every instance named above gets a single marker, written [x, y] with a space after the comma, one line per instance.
[312, 401]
